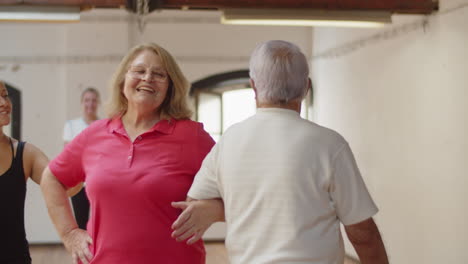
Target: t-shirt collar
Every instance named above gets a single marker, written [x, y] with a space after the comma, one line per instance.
[276, 110]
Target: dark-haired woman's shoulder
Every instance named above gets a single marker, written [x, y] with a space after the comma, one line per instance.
[34, 162]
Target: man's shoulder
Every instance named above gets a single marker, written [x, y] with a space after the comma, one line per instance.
[311, 132]
[323, 131]
[235, 128]
[324, 137]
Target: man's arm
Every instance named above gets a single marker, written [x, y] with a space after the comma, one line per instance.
[196, 217]
[199, 214]
[367, 242]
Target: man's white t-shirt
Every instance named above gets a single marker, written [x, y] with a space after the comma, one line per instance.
[72, 128]
[286, 183]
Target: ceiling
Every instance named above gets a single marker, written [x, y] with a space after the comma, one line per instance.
[393, 6]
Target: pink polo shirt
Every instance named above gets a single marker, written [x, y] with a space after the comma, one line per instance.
[131, 185]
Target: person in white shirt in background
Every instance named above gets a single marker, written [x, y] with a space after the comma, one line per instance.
[286, 183]
[90, 100]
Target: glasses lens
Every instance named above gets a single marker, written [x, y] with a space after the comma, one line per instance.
[142, 73]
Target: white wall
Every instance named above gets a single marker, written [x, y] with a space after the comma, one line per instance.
[43, 101]
[56, 62]
[401, 102]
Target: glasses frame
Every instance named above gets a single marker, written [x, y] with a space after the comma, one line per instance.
[135, 74]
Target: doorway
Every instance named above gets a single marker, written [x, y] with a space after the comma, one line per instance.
[14, 128]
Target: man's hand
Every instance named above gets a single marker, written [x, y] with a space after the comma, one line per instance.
[196, 217]
[77, 242]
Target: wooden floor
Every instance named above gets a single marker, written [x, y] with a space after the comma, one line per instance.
[56, 254]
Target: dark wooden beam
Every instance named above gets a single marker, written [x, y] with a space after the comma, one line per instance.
[400, 6]
[406, 6]
[94, 3]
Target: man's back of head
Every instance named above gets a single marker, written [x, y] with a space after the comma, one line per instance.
[280, 72]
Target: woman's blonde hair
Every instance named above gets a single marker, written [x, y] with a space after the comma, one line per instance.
[175, 105]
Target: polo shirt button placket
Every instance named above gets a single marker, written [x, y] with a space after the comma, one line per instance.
[130, 156]
[129, 161]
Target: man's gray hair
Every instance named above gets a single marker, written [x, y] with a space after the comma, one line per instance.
[280, 72]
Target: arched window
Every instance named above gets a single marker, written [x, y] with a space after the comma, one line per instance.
[14, 129]
[224, 99]
[213, 100]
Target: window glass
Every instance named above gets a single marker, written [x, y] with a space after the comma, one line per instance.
[238, 105]
[209, 113]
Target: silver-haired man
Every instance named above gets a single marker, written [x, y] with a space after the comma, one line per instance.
[286, 183]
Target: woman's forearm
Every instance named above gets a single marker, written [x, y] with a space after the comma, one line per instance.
[76, 240]
[56, 199]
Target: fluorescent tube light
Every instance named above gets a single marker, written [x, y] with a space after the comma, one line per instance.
[28, 13]
[305, 17]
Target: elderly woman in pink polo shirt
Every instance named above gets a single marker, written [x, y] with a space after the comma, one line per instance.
[134, 163]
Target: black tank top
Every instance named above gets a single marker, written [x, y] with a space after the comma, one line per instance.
[14, 247]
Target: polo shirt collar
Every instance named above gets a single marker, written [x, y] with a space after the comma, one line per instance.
[163, 126]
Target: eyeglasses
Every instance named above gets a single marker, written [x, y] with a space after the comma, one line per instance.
[142, 73]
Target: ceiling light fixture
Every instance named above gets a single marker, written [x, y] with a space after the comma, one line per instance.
[36, 13]
[306, 17]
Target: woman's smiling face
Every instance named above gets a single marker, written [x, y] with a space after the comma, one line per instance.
[146, 81]
[5, 106]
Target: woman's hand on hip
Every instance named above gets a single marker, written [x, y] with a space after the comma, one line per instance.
[77, 242]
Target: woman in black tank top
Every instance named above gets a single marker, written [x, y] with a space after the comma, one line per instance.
[18, 162]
